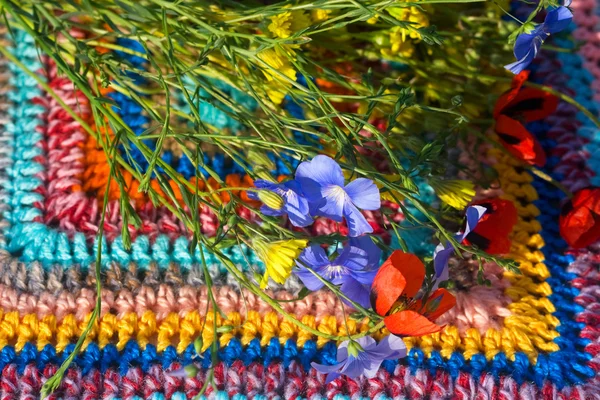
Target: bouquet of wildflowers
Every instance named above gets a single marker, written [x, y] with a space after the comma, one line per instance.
[340, 142]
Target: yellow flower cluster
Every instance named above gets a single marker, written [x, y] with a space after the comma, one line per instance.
[398, 45]
[400, 40]
[277, 68]
[320, 15]
[414, 15]
[285, 24]
[279, 258]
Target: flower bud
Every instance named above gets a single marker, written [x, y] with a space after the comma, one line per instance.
[270, 199]
[190, 370]
[198, 344]
[225, 329]
[354, 348]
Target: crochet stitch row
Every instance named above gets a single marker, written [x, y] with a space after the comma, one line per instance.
[547, 329]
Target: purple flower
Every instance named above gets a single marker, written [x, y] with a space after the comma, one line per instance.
[527, 45]
[283, 198]
[322, 183]
[442, 253]
[352, 269]
[362, 357]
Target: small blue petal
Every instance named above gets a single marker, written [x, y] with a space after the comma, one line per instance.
[357, 223]
[557, 20]
[373, 251]
[356, 292]
[364, 194]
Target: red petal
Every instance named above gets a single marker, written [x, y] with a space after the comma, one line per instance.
[531, 105]
[580, 220]
[506, 98]
[491, 233]
[519, 142]
[401, 274]
[500, 245]
[410, 323]
[590, 197]
[445, 302]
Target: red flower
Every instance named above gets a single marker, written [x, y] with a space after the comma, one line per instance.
[580, 218]
[519, 141]
[492, 230]
[394, 289]
[517, 107]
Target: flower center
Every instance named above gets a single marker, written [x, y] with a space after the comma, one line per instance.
[335, 271]
[336, 192]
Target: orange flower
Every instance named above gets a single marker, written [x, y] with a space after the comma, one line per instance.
[393, 296]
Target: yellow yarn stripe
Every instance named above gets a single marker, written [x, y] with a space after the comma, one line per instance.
[172, 330]
[531, 327]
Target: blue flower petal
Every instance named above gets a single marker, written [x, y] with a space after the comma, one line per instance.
[356, 292]
[317, 174]
[389, 348]
[357, 223]
[473, 214]
[520, 65]
[271, 211]
[315, 258]
[327, 369]
[353, 258]
[441, 255]
[297, 208]
[527, 46]
[364, 194]
[373, 251]
[354, 367]
[557, 20]
[333, 206]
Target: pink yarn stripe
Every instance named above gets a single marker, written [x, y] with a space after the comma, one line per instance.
[163, 302]
[588, 31]
[276, 381]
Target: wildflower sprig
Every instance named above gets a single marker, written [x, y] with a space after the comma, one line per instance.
[370, 132]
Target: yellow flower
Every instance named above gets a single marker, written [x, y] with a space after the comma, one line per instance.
[410, 14]
[320, 15]
[279, 258]
[398, 44]
[455, 192]
[277, 85]
[373, 20]
[285, 24]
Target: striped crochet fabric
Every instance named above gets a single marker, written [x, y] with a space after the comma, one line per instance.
[534, 335]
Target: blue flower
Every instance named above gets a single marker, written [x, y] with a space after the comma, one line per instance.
[354, 268]
[322, 183]
[528, 44]
[283, 198]
[442, 253]
[362, 356]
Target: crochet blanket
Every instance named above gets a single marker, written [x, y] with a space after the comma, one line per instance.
[534, 335]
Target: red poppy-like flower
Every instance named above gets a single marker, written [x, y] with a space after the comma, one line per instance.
[519, 141]
[492, 230]
[517, 107]
[393, 296]
[580, 218]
